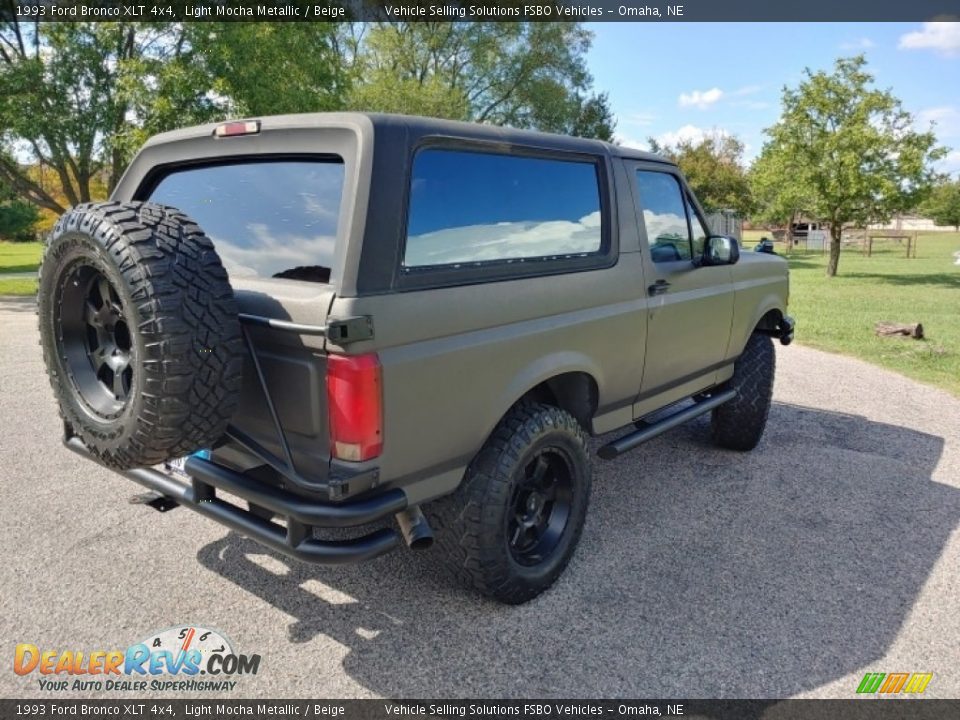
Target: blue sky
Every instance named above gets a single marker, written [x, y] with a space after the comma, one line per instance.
[677, 80]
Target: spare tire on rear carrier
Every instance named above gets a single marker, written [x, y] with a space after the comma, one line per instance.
[140, 332]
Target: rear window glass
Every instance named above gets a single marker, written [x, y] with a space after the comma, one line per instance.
[266, 219]
[469, 207]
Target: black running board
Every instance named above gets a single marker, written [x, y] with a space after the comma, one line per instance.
[629, 442]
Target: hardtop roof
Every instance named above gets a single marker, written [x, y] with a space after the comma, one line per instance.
[417, 127]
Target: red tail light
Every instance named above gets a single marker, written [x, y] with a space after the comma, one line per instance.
[355, 406]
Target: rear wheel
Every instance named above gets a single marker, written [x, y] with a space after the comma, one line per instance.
[140, 332]
[739, 423]
[513, 525]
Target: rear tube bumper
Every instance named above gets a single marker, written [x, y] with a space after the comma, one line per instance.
[302, 515]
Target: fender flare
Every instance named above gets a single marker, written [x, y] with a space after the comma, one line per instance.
[539, 371]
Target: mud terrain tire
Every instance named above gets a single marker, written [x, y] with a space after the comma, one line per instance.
[739, 423]
[513, 525]
[140, 332]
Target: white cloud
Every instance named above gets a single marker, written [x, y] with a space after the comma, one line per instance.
[863, 43]
[689, 133]
[700, 99]
[951, 163]
[630, 142]
[942, 37]
[269, 254]
[638, 119]
[523, 239]
[745, 92]
[946, 121]
[752, 104]
[664, 225]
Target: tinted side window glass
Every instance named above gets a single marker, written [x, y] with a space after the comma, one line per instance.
[266, 219]
[469, 207]
[700, 231]
[665, 216]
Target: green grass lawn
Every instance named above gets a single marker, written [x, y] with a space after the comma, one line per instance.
[17, 286]
[19, 258]
[838, 314]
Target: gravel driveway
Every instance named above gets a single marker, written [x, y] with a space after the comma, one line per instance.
[830, 551]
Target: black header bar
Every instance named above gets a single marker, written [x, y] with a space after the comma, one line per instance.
[502, 10]
[47, 708]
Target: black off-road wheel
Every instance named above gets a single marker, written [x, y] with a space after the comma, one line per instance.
[739, 423]
[514, 523]
[140, 332]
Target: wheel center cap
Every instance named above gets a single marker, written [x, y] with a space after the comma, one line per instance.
[107, 319]
[534, 503]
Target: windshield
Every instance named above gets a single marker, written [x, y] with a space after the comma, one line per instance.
[266, 219]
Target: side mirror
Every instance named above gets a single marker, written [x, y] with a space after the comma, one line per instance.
[720, 250]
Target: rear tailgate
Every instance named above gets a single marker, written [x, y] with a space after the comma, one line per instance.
[274, 223]
[293, 366]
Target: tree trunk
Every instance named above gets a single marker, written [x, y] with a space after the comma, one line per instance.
[83, 181]
[116, 170]
[835, 230]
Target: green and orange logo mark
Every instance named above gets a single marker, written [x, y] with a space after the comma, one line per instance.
[894, 683]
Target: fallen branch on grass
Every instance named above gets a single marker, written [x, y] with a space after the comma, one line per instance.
[889, 329]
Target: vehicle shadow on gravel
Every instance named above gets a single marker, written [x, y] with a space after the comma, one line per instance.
[701, 573]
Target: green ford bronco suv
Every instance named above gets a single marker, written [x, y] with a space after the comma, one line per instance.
[322, 321]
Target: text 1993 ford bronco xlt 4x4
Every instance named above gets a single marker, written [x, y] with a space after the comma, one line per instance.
[321, 321]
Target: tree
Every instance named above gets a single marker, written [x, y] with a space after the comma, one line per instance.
[526, 75]
[271, 68]
[776, 201]
[47, 178]
[17, 221]
[78, 99]
[943, 205]
[17, 218]
[714, 168]
[588, 116]
[849, 150]
[69, 91]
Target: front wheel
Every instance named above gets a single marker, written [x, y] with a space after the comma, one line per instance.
[739, 423]
[513, 525]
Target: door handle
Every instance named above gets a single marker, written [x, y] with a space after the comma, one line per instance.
[659, 287]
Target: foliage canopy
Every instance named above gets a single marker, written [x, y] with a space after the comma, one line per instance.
[845, 152]
[78, 99]
[714, 168]
[943, 205]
